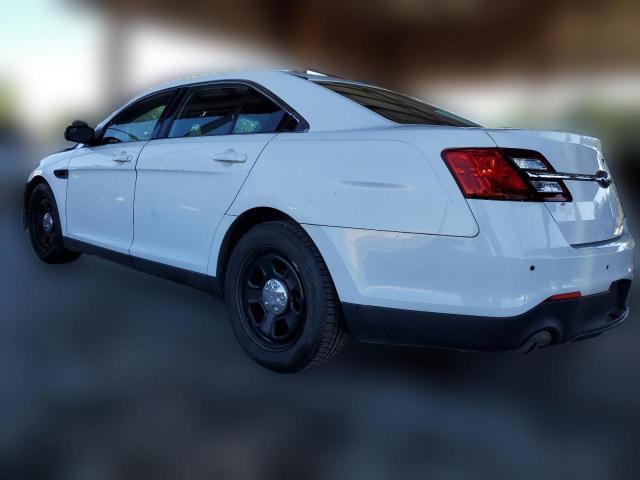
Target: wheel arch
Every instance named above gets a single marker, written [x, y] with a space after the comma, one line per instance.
[57, 189]
[241, 225]
[31, 185]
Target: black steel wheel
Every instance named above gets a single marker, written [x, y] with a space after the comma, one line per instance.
[282, 302]
[273, 300]
[43, 223]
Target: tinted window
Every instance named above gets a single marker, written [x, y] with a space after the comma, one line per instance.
[397, 107]
[261, 115]
[208, 111]
[136, 123]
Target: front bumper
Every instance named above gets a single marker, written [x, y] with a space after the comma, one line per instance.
[564, 320]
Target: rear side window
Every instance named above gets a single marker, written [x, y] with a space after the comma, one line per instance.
[397, 107]
[261, 115]
[208, 111]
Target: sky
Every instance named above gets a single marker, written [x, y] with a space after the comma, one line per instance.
[48, 57]
[53, 58]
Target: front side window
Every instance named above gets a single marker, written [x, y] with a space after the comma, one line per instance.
[397, 107]
[208, 111]
[137, 122]
[261, 115]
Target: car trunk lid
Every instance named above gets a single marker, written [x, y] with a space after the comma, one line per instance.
[595, 213]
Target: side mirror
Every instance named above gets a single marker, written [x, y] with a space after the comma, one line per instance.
[80, 132]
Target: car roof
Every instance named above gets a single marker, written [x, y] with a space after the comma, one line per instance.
[308, 74]
[323, 109]
[316, 76]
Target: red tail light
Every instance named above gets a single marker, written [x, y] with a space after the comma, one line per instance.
[485, 173]
[500, 174]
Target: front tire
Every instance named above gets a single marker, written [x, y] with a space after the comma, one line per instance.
[282, 302]
[43, 222]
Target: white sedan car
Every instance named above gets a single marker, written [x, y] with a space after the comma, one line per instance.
[320, 208]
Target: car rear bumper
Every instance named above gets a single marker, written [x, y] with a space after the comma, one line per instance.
[514, 264]
[563, 320]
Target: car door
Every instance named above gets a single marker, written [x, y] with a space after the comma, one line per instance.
[102, 177]
[187, 181]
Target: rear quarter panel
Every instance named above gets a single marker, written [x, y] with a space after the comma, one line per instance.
[390, 179]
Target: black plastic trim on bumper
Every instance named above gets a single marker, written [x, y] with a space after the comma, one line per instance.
[566, 320]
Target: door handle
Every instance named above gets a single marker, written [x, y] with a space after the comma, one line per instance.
[230, 156]
[123, 157]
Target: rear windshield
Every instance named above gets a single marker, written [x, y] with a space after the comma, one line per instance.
[397, 107]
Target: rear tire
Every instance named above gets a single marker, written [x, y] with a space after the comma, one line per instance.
[282, 302]
[43, 223]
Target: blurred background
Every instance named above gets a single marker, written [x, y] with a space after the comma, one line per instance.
[109, 373]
